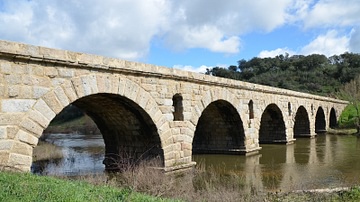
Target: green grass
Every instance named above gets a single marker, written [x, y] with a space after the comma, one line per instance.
[347, 117]
[29, 187]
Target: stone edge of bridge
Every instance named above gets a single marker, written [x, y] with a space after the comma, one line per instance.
[26, 52]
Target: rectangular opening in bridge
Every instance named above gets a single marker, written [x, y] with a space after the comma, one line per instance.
[178, 107]
[251, 109]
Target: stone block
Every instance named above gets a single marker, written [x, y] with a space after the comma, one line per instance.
[51, 72]
[168, 149]
[32, 127]
[39, 118]
[44, 109]
[166, 109]
[6, 68]
[66, 73]
[62, 97]
[20, 160]
[36, 70]
[41, 81]
[4, 158]
[12, 131]
[163, 128]
[13, 79]
[168, 141]
[143, 98]
[103, 83]
[69, 91]
[16, 105]
[39, 91]
[89, 84]
[187, 153]
[26, 92]
[52, 101]
[22, 148]
[78, 87]
[10, 118]
[13, 91]
[3, 132]
[6, 145]
[170, 155]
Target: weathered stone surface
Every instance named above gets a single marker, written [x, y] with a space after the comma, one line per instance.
[22, 148]
[16, 105]
[130, 99]
[27, 138]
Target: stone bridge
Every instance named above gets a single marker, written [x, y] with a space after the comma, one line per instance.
[147, 111]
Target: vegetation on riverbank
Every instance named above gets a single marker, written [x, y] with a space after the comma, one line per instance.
[81, 124]
[47, 151]
[28, 187]
[207, 187]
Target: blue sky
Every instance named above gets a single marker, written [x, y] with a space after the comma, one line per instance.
[187, 34]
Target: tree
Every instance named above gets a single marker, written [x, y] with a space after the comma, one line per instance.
[351, 92]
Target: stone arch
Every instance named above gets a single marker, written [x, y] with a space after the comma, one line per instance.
[129, 133]
[302, 123]
[210, 96]
[272, 126]
[332, 118]
[90, 92]
[219, 130]
[320, 121]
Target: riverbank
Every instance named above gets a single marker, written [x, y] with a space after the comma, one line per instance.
[29, 187]
[45, 151]
[83, 124]
[341, 131]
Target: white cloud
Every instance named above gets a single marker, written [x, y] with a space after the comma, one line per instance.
[276, 52]
[331, 13]
[125, 28]
[216, 25]
[109, 27]
[329, 44]
[354, 43]
[201, 69]
[203, 37]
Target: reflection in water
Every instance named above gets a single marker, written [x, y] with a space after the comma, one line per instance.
[322, 162]
[82, 154]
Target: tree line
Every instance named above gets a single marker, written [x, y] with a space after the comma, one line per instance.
[316, 74]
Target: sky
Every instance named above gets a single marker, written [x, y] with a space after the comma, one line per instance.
[186, 34]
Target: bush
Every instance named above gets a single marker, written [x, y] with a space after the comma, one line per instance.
[348, 117]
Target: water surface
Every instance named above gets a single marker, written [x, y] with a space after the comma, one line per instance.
[322, 162]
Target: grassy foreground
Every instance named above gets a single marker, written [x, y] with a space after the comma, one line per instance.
[29, 187]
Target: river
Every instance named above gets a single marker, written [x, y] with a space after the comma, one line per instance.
[323, 162]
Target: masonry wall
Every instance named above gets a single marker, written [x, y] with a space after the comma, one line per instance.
[36, 83]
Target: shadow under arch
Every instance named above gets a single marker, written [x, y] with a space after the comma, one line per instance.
[302, 123]
[272, 126]
[320, 122]
[332, 118]
[219, 130]
[130, 135]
